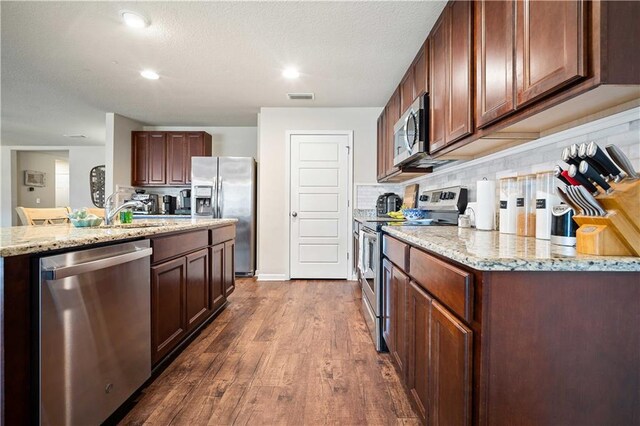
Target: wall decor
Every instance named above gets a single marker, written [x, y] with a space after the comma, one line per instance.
[35, 178]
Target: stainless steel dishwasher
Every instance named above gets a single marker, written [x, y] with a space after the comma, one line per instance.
[95, 332]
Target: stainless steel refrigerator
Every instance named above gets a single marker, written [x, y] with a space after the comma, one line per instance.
[224, 187]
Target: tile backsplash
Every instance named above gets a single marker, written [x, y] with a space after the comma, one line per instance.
[622, 129]
[366, 195]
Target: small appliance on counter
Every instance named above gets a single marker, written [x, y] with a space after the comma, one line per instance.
[169, 204]
[184, 202]
[388, 202]
[149, 202]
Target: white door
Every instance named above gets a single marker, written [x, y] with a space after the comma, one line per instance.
[319, 210]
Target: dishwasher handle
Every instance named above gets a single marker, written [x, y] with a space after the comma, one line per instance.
[57, 273]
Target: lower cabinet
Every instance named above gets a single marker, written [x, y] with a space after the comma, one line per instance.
[218, 296]
[449, 369]
[229, 267]
[418, 327]
[430, 346]
[168, 319]
[188, 284]
[198, 304]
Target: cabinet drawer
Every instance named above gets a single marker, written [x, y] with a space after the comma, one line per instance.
[177, 244]
[451, 285]
[396, 251]
[222, 234]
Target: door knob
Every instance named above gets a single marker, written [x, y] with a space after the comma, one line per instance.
[294, 214]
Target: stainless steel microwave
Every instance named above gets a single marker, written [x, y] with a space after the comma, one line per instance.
[410, 133]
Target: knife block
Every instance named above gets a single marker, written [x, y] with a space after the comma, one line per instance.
[617, 233]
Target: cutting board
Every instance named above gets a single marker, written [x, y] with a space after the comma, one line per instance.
[410, 196]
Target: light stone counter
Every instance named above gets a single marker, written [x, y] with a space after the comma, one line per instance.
[18, 240]
[492, 251]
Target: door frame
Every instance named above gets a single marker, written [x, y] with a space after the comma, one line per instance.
[287, 203]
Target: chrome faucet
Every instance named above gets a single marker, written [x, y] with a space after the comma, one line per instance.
[110, 212]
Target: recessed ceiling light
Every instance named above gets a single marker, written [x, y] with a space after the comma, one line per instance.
[133, 19]
[150, 74]
[291, 73]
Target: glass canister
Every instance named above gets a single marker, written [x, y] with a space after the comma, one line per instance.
[526, 206]
[546, 198]
[508, 195]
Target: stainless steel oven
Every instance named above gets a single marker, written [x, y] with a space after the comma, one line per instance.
[370, 279]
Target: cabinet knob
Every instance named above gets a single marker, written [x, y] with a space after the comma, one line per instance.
[294, 214]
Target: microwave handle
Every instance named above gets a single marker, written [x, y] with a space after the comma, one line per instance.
[407, 144]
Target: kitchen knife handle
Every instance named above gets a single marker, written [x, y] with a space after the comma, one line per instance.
[594, 151]
[573, 172]
[566, 157]
[557, 172]
[622, 160]
[572, 181]
[592, 174]
[582, 153]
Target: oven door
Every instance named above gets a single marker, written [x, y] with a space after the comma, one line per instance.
[369, 269]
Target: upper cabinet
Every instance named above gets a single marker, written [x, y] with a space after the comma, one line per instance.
[550, 43]
[164, 158]
[421, 72]
[494, 28]
[450, 92]
[148, 158]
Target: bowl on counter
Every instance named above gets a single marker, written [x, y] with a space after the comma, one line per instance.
[86, 222]
[414, 214]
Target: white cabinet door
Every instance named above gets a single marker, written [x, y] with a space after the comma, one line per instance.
[319, 210]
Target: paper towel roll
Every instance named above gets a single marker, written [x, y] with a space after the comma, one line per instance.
[486, 210]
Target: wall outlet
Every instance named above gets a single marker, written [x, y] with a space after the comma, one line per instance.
[37, 200]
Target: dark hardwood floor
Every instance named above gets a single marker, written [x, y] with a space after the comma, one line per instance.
[281, 353]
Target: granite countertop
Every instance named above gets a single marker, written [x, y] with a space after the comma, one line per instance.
[161, 216]
[492, 251]
[18, 240]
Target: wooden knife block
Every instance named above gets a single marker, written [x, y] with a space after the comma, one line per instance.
[617, 233]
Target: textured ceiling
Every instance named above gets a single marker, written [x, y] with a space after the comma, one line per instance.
[64, 64]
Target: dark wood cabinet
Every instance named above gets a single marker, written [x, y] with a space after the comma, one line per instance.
[191, 275]
[198, 145]
[229, 267]
[198, 299]
[494, 39]
[392, 115]
[176, 158]
[438, 82]
[387, 331]
[449, 369]
[450, 63]
[407, 90]
[397, 312]
[216, 257]
[157, 159]
[550, 43]
[421, 72]
[139, 158]
[381, 143]
[418, 328]
[168, 289]
[164, 158]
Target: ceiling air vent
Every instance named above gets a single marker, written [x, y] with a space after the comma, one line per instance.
[300, 96]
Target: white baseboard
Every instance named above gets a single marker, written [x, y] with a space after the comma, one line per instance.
[272, 277]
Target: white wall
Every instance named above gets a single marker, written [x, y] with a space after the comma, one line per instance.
[118, 150]
[226, 141]
[81, 161]
[273, 220]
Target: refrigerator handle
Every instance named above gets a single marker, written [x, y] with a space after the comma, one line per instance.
[219, 198]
